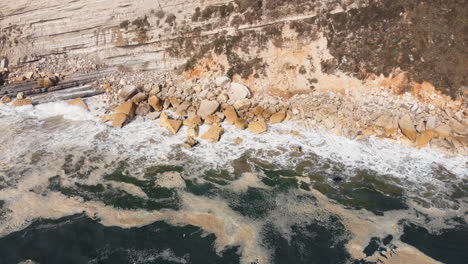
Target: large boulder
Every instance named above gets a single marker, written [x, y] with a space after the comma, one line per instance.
[155, 102]
[258, 127]
[207, 107]
[192, 121]
[213, 134]
[238, 91]
[172, 125]
[79, 102]
[388, 123]
[117, 119]
[407, 127]
[127, 91]
[278, 117]
[424, 138]
[230, 114]
[143, 109]
[127, 108]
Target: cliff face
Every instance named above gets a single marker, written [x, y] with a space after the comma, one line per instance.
[280, 47]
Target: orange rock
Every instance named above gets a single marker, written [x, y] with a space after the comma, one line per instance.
[212, 119]
[155, 102]
[277, 117]
[119, 119]
[424, 138]
[258, 127]
[240, 123]
[213, 134]
[172, 125]
[194, 120]
[79, 102]
[427, 93]
[127, 108]
[230, 114]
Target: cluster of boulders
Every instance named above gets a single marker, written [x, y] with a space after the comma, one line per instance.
[383, 114]
[218, 101]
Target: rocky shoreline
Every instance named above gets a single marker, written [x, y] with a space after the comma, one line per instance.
[379, 109]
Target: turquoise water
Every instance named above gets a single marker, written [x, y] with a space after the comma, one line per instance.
[75, 191]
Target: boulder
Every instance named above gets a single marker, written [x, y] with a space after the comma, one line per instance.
[277, 117]
[175, 102]
[242, 105]
[172, 125]
[46, 82]
[407, 127]
[127, 91]
[388, 123]
[79, 102]
[143, 109]
[443, 131]
[155, 102]
[240, 123]
[5, 99]
[424, 138]
[230, 114]
[193, 131]
[222, 81]
[127, 108]
[153, 115]
[212, 119]
[238, 91]
[190, 142]
[207, 107]
[138, 98]
[258, 127]
[213, 134]
[258, 111]
[20, 96]
[193, 121]
[22, 102]
[431, 123]
[118, 119]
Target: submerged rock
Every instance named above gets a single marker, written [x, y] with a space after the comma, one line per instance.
[190, 143]
[213, 134]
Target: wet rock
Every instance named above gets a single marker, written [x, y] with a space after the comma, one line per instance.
[424, 138]
[238, 91]
[127, 108]
[190, 142]
[213, 134]
[155, 102]
[119, 119]
[80, 103]
[153, 115]
[277, 117]
[138, 98]
[407, 127]
[193, 131]
[212, 119]
[193, 121]
[5, 99]
[127, 92]
[443, 131]
[143, 109]
[22, 102]
[230, 114]
[240, 123]
[258, 127]
[207, 107]
[238, 140]
[172, 125]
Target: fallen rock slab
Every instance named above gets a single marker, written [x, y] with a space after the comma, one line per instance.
[193, 121]
[127, 92]
[172, 125]
[407, 127]
[155, 102]
[277, 117]
[213, 134]
[230, 114]
[127, 108]
[79, 102]
[258, 127]
[424, 138]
